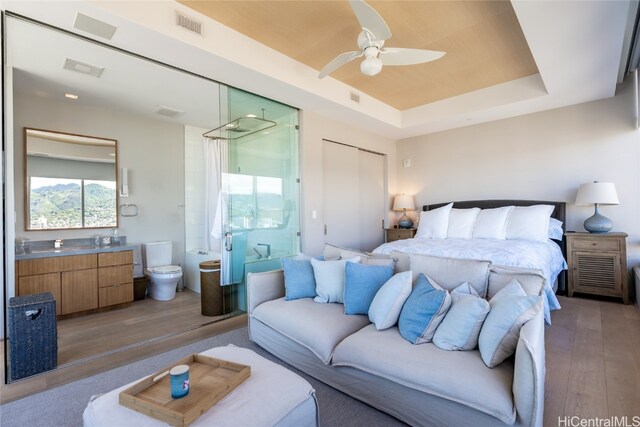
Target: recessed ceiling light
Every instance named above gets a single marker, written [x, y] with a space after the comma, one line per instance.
[70, 96]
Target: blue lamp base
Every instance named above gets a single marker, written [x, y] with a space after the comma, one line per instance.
[405, 221]
[598, 223]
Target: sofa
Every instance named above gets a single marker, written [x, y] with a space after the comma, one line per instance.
[421, 385]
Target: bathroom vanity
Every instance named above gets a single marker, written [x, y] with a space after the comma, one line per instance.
[79, 279]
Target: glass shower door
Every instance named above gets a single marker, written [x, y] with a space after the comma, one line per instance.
[260, 188]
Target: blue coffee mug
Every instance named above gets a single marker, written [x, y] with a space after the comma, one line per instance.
[179, 381]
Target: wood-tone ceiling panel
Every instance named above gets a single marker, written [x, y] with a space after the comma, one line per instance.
[483, 40]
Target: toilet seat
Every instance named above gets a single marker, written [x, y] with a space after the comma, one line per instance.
[166, 269]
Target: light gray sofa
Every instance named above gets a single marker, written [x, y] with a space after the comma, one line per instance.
[421, 385]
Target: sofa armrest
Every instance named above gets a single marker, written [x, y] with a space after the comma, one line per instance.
[529, 373]
[263, 287]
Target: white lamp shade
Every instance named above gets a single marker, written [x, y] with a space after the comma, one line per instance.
[603, 193]
[403, 201]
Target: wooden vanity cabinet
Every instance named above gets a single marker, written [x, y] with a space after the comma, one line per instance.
[115, 278]
[79, 282]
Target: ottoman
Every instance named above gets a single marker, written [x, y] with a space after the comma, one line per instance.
[271, 396]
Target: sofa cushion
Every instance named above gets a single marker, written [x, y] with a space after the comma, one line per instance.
[423, 311]
[531, 280]
[333, 252]
[461, 326]
[451, 272]
[511, 308]
[299, 281]
[361, 284]
[318, 327]
[459, 376]
[329, 276]
[387, 304]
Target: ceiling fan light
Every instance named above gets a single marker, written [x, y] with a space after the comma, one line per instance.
[371, 66]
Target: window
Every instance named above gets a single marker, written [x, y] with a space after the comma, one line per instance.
[255, 201]
[71, 203]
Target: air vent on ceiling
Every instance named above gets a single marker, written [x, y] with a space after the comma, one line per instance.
[94, 26]
[82, 67]
[168, 112]
[355, 97]
[187, 23]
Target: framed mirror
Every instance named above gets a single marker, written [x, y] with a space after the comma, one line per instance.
[70, 181]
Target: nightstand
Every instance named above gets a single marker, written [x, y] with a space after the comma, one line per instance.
[598, 264]
[393, 234]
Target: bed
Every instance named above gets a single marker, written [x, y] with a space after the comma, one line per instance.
[548, 257]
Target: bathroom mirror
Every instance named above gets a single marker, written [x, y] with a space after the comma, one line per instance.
[70, 181]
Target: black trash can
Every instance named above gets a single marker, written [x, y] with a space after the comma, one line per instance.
[210, 289]
[140, 288]
[33, 335]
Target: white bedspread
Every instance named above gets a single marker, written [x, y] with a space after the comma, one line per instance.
[544, 256]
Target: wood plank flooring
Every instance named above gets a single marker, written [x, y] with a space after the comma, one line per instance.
[93, 334]
[593, 361]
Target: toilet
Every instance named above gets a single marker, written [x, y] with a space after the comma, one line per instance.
[163, 277]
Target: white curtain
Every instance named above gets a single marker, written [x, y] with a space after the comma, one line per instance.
[215, 156]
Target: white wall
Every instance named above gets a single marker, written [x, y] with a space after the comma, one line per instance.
[194, 187]
[545, 156]
[315, 128]
[152, 150]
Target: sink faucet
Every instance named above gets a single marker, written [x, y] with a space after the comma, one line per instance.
[268, 249]
[258, 252]
[57, 244]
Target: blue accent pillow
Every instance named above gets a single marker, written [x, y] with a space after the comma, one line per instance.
[361, 284]
[299, 281]
[423, 311]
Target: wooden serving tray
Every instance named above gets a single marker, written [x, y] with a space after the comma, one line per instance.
[210, 380]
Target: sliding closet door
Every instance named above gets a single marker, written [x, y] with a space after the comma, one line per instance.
[372, 200]
[341, 205]
[354, 197]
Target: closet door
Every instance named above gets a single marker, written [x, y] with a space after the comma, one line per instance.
[371, 200]
[354, 197]
[341, 189]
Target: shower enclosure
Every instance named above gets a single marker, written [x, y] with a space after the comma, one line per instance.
[260, 187]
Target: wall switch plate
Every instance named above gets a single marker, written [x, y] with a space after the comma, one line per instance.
[406, 163]
[314, 214]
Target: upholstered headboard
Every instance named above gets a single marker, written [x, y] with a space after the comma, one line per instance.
[558, 213]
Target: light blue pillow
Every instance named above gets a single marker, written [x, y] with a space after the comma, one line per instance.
[299, 281]
[329, 277]
[424, 310]
[361, 284]
[387, 304]
[555, 229]
[461, 326]
[510, 309]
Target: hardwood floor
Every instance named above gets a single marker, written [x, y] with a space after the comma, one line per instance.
[593, 361]
[94, 334]
[98, 342]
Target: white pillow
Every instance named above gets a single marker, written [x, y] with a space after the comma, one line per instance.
[387, 304]
[329, 276]
[461, 222]
[492, 223]
[510, 309]
[529, 223]
[433, 224]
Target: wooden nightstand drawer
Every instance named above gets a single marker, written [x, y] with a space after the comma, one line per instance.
[394, 234]
[599, 245]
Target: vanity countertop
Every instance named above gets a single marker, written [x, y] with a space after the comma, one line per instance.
[71, 250]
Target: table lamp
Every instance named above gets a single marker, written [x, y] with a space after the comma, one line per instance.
[404, 202]
[597, 193]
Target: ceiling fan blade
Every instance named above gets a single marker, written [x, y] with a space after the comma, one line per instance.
[404, 56]
[370, 19]
[338, 62]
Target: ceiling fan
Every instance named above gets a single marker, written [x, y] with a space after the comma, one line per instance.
[371, 41]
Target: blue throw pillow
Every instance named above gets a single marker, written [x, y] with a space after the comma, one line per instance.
[424, 310]
[299, 281]
[361, 284]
